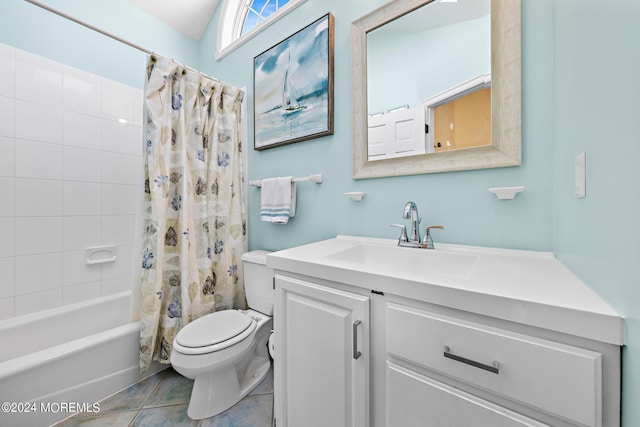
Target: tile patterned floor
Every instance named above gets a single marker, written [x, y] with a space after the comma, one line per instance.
[161, 400]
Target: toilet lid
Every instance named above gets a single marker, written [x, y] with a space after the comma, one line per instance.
[213, 328]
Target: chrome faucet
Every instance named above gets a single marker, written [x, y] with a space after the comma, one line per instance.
[411, 211]
[413, 241]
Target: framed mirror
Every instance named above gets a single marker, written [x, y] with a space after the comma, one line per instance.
[493, 81]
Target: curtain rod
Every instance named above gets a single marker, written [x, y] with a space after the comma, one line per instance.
[86, 24]
[106, 33]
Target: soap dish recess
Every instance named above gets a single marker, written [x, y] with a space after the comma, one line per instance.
[506, 193]
[355, 195]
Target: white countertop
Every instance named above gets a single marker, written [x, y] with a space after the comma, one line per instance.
[527, 287]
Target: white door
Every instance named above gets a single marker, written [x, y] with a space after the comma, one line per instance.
[321, 356]
[397, 134]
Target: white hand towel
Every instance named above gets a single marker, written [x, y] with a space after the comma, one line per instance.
[277, 199]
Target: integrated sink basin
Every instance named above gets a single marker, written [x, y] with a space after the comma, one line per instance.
[408, 261]
[518, 286]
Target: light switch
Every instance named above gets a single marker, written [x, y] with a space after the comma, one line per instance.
[581, 175]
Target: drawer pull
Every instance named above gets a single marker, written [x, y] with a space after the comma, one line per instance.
[495, 368]
[356, 353]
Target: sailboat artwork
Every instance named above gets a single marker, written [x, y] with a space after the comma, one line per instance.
[290, 103]
[293, 87]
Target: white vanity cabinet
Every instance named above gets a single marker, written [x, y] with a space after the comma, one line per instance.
[322, 362]
[369, 334]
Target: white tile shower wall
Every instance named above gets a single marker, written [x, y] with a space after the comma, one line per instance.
[70, 159]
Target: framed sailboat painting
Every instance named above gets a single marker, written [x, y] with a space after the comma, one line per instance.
[293, 87]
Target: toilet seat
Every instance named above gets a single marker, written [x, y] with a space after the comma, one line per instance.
[214, 332]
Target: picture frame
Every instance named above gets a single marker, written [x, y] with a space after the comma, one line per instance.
[293, 87]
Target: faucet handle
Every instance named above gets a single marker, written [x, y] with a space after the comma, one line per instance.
[427, 235]
[403, 233]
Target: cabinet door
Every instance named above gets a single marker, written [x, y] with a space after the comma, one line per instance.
[414, 400]
[321, 356]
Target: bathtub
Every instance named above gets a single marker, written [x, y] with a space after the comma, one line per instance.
[57, 362]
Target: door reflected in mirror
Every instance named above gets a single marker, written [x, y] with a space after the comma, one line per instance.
[453, 121]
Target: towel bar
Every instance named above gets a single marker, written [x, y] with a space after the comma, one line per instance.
[313, 178]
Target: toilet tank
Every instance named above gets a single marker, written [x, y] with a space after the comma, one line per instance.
[258, 282]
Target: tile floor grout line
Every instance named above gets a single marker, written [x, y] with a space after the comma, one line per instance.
[133, 420]
[163, 374]
[138, 410]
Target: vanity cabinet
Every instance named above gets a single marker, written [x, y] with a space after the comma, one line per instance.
[322, 362]
[369, 334]
[352, 357]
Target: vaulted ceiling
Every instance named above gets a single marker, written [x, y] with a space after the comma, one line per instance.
[190, 17]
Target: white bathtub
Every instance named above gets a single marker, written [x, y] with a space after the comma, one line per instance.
[59, 360]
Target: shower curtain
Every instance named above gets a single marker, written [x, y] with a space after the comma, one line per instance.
[194, 213]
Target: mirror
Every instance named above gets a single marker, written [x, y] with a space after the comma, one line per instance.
[495, 79]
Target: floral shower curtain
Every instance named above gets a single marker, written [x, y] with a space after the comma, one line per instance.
[194, 217]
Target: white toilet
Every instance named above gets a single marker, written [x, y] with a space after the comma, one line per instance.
[226, 352]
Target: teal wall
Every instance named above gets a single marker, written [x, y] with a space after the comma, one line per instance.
[597, 110]
[580, 89]
[31, 28]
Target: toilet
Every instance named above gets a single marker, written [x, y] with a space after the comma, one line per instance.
[227, 352]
